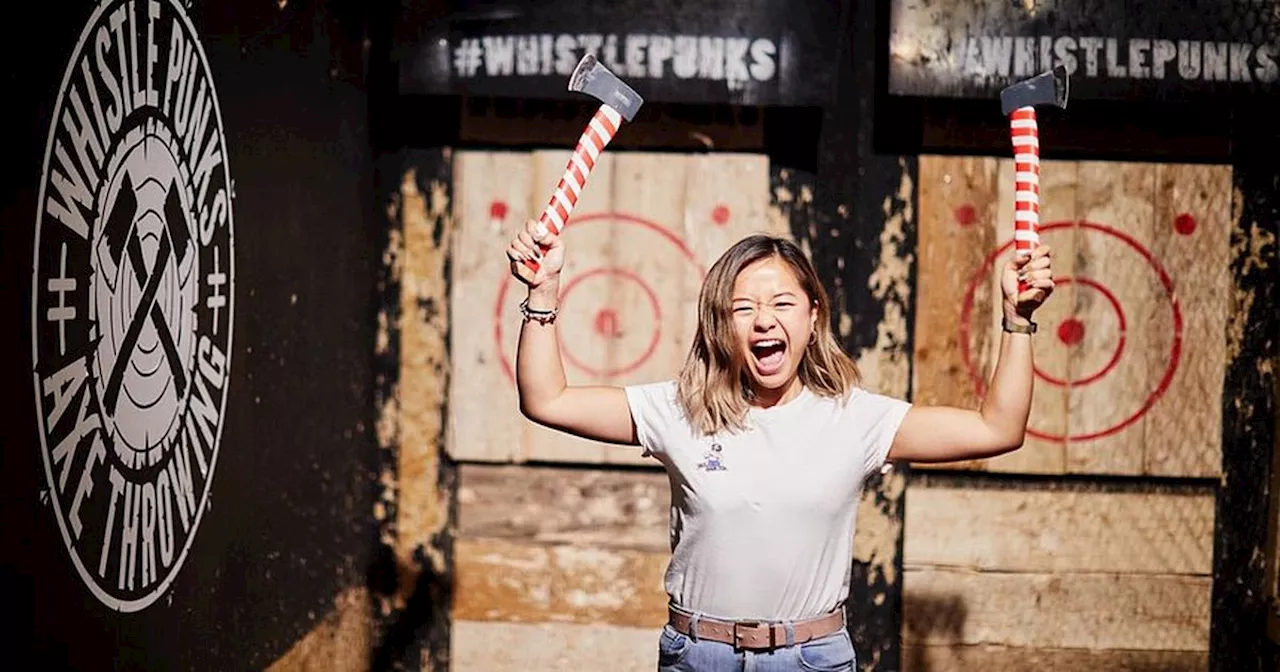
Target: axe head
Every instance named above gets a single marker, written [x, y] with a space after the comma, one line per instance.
[1046, 88]
[595, 80]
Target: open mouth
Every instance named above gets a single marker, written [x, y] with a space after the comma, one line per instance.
[769, 354]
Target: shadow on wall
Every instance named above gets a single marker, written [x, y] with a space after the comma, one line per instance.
[406, 636]
[926, 619]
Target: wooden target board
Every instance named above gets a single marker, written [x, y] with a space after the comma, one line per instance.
[645, 230]
[1132, 347]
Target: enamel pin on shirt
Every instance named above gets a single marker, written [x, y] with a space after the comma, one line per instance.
[712, 462]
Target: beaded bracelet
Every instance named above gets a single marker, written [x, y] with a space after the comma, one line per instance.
[540, 316]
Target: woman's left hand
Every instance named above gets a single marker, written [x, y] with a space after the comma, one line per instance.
[1037, 272]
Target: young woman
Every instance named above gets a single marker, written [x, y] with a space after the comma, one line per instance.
[766, 436]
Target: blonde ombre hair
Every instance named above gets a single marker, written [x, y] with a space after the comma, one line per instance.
[714, 387]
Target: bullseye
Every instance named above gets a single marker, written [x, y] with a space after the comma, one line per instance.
[606, 326]
[606, 323]
[1071, 332]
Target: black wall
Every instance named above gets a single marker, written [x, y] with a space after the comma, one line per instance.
[289, 524]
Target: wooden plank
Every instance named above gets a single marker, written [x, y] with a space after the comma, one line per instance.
[495, 646]
[1121, 197]
[1191, 240]
[500, 580]
[1059, 530]
[986, 658]
[586, 507]
[646, 227]
[493, 194]
[1063, 610]
[957, 208]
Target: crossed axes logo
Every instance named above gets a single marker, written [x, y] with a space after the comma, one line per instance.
[140, 213]
[145, 291]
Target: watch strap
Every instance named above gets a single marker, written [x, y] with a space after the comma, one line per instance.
[1013, 327]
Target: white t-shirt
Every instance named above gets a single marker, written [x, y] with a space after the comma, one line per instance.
[762, 521]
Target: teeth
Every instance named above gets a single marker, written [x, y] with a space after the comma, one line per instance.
[766, 344]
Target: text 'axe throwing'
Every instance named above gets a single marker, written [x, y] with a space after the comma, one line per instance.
[1019, 102]
[617, 102]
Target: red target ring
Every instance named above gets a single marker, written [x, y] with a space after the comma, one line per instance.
[652, 298]
[649, 349]
[1072, 328]
[1175, 349]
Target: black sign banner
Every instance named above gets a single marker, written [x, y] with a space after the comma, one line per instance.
[749, 52]
[1114, 49]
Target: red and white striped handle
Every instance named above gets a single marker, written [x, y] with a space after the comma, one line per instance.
[1025, 135]
[600, 130]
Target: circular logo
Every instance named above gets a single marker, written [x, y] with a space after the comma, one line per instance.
[132, 298]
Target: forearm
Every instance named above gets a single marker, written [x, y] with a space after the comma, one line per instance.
[540, 377]
[1007, 404]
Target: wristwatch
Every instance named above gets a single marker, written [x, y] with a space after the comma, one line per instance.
[1019, 328]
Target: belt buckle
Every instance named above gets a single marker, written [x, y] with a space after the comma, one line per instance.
[754, 627]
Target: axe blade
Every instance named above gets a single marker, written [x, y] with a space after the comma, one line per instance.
[594, 79]
[1047, 88]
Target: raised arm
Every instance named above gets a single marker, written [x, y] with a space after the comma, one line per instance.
[599, 413]
[999, 424]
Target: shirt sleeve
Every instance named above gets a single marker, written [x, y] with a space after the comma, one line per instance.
[655, 412]
[878, 418]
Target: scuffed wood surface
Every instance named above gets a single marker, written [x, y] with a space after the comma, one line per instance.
[1062, 530]
[1200, 198]
[500, 580]
[1088, 611]
[987, 658]
[1128, 239]
[493, 646]
[615, 509]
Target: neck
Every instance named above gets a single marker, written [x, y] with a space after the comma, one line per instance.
[766, 398]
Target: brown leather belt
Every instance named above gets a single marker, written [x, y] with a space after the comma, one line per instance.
[756, 634]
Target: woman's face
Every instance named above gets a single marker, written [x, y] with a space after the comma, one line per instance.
[773, 318]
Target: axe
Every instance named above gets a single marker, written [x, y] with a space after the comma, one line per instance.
[617, 102]
[1019, 102]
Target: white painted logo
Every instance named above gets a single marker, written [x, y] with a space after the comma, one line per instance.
[132, 298]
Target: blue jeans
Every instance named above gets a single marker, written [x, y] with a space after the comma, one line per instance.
[681, 653]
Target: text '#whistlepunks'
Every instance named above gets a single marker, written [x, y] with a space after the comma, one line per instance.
[733, 60]
[1112, 58]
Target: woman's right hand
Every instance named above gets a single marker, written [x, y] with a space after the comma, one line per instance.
[547, 250]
